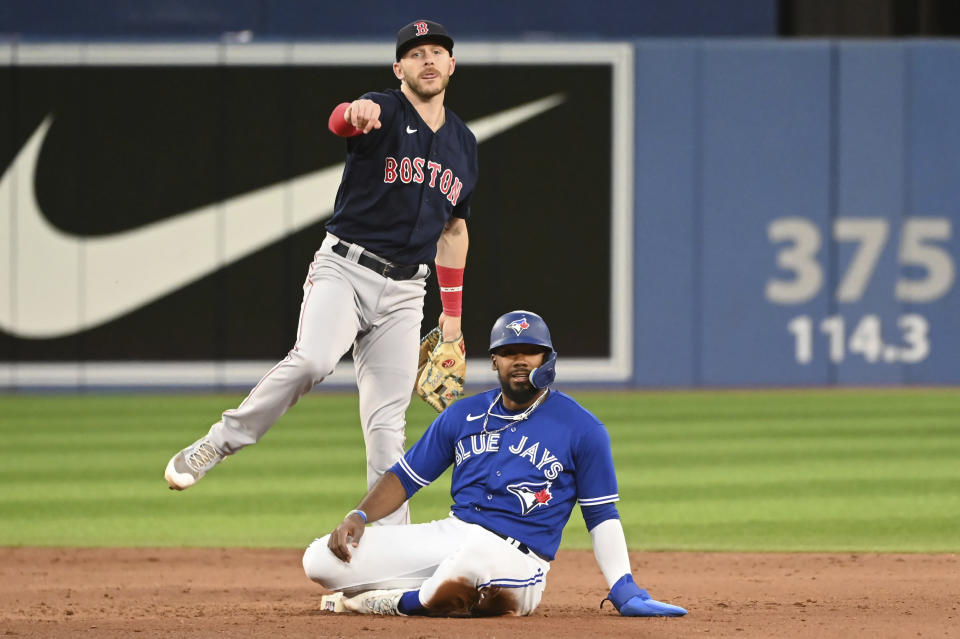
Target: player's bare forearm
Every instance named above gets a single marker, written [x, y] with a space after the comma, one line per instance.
[452, 253]
[386, 496]
[453, 244]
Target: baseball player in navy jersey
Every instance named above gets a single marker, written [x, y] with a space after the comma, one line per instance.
[522, 456]
[402, 205]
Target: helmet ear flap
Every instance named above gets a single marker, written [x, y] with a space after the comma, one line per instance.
[543, 375]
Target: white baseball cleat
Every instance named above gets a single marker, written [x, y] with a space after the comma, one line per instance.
[332, 603]
[375, 602]
[190, 464]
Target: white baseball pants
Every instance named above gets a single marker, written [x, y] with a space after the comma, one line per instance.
[429, 557]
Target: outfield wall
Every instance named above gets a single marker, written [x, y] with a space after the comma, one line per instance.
[796, 214]
[684, 213]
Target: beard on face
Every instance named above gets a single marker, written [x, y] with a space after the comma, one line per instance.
[425, 93]
[520, 394]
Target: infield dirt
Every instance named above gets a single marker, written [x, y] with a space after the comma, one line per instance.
[129, 592]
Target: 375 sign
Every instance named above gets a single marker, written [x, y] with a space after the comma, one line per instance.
[926, 274]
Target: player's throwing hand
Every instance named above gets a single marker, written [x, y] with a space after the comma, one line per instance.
[364, 115]
[400, 213]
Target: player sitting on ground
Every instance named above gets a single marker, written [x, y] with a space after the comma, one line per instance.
[522, 455]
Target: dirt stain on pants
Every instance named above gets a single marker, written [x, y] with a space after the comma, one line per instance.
[458, 598]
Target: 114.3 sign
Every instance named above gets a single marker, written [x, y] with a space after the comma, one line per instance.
[918, 252]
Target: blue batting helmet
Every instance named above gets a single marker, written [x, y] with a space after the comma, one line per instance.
[524, 327]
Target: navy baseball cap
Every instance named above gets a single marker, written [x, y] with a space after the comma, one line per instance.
[420, 31]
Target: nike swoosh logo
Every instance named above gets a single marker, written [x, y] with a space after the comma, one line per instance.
[409, 130]
[471, 418]
[62, 283]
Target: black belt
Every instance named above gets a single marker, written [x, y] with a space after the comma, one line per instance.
[386, 269]
[519, 545]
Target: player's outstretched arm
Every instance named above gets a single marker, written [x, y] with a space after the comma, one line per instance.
[385, 497]
[354, 118]
[630, 600]
[364, 115]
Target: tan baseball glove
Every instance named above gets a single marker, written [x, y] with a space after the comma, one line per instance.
[441, 370]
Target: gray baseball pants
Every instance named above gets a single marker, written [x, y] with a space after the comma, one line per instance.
[344, 304]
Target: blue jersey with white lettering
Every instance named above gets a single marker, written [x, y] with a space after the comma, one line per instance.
[403, 182]
[518, 478]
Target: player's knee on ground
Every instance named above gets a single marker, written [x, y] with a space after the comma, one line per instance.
[321, 566]
[460, 598]
[456, 593]
[453, 598]
[495, 601]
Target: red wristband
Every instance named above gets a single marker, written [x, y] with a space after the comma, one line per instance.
[338, 125]
[451, 290]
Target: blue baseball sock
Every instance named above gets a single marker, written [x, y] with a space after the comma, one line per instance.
[410, 603]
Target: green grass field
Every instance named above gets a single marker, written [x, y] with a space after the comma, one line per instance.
[766, 470]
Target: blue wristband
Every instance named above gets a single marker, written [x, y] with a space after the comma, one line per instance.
[362, 514]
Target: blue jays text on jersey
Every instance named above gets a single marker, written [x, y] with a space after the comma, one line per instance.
[522, 478]
[403, 182]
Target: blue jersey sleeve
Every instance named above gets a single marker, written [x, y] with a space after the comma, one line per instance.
[596, 479]
[462, 209]
[429, 457]
[593, 515]
[388, 106]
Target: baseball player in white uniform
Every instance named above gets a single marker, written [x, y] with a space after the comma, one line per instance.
[523, 455]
